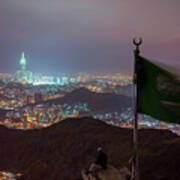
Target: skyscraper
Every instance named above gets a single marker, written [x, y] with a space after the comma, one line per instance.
[23, 62]
[23, 75]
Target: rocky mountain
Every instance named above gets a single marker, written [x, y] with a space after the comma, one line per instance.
[99, 102]
[61, 151]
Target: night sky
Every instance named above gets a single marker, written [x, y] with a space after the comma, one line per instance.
[62, 36]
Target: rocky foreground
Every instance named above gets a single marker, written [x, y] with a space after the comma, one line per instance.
[61, 151]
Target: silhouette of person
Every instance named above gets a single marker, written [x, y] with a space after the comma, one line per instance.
[101, 158]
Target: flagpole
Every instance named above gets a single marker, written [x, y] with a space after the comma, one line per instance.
[135, 163]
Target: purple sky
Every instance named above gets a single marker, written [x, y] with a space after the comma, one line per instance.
[87, 35]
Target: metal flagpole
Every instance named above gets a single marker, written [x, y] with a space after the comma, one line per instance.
[135, 160]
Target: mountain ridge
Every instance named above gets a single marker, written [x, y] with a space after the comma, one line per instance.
[98, 102]
[64, 149]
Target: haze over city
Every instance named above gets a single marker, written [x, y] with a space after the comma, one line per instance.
[89, 89]
[87, 35]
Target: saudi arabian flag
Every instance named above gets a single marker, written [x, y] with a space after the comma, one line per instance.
[158, 91]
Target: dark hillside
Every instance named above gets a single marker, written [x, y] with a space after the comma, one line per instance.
[96, 101]
[62, 150]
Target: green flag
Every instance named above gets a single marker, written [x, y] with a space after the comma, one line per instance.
[158, 91]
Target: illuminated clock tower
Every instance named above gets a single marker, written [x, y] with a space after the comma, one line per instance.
[23, 62]
[23, 75]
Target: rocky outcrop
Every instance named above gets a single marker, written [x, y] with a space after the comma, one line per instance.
[95, 172]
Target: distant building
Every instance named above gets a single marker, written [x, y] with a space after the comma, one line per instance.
[23, 75]
[38, 97]
[30, 99]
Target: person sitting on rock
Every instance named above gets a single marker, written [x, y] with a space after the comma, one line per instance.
[101, 158]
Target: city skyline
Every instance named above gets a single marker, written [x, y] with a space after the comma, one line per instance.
[89, 89]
